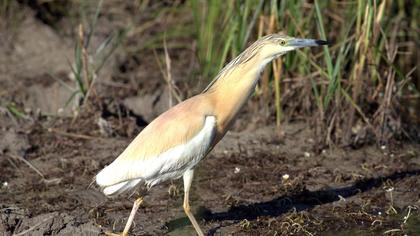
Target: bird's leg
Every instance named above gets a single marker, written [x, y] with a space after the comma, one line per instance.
[136, 206]
[188, 177]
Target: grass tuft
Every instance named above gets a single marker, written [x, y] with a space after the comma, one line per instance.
[350, 91]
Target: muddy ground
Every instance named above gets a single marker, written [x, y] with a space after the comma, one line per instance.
[241, 188]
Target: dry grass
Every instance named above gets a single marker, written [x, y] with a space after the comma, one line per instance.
[361, 89]
[351, 92]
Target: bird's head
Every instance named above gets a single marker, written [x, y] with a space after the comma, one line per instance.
[263, 51]
[274, 45]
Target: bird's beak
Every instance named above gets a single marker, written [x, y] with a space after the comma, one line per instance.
[300, 43]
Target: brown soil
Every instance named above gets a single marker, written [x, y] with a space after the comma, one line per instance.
[238, 189]
[241, 188]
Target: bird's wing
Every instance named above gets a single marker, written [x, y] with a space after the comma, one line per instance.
[171, 143]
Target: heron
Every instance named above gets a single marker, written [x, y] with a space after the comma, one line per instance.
[171, 146]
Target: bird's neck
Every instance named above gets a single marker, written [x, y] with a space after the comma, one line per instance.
[232, 90]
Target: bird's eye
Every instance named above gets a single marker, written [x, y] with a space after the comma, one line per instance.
[282, 42]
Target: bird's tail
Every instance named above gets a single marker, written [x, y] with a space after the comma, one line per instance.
[121, 187]
[114, 179]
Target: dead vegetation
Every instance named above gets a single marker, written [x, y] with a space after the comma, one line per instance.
[79, 79]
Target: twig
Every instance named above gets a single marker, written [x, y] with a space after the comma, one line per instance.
[173, 90]
[72, 135]
[91, 183]
[84, 56]
[33, 227]
[392, 231]
[89, 86]
[408, 214]
[168, 72]
[17, 157]
[12, 163]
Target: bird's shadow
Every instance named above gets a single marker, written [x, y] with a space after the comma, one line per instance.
[300, 201]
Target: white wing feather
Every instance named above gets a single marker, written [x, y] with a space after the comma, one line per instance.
[168, 165]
